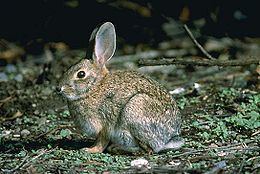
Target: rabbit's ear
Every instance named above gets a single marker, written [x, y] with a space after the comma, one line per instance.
[105, 43]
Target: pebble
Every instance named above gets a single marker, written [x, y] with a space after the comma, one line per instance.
[25, 133]
[177, 91]
[175, 163]
[10, 68]
[197, 86]
[3, 77]
[36, 112]
[6, 132]
[16, 136]
[140, 163]
[18, 78]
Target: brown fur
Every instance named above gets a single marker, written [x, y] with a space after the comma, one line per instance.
[125, 108]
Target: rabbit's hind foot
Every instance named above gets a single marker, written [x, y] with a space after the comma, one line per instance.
[174, 144]
[95, 149]
[122, 150]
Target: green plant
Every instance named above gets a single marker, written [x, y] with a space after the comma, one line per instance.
[64, 133]
[182, 102]
[221, 130]
[250, 120]
[248, 117]
[65, 114]
[227, 94]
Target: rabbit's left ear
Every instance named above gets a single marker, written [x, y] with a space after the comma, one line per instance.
[105, 43]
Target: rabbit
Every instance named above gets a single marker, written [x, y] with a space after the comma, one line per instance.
[123, 111]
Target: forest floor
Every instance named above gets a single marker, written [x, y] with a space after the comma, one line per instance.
[220, 113]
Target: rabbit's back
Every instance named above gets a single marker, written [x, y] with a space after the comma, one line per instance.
[110, 95]
[124, 84]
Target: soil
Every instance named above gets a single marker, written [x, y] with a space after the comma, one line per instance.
[219, 105]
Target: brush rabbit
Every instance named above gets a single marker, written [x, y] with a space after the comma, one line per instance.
[124, 109]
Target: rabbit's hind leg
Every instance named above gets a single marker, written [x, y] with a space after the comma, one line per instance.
[173, 144]
[122, 142]
[122, 150]
[145, 118]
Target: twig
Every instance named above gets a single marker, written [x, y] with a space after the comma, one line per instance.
[151, 54]
[17, 167]
[208, 149]
[6, 99]
[253, 158]
[241, 166]
[161, 169]
[197, 43]
[197, 61]
[255, 133]
[51, 131]
[15, 115]
[221, 148]
[205, 62]
[45, 151]
[25, 162]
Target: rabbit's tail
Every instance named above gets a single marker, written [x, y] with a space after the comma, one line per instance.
[173, 144]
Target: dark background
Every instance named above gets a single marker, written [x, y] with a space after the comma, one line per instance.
[27, 22]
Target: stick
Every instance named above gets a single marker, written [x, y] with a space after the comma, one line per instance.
[43, 152]
[241, 166]
[51, 131]
[197, 43]
[254, 148]
[221, 148]
[26, 162]
[17, 167]
[16, 115]
[205, 62]
[151, 54]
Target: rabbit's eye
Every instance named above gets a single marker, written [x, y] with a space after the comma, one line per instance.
[81, 74]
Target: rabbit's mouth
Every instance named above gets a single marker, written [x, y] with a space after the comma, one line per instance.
[68, 93]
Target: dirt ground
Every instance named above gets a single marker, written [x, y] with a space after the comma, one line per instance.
[220, 113]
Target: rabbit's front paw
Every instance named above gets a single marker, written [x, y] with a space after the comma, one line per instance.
[95, 149]
[100, 144]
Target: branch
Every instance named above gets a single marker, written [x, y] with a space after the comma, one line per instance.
[151, 54]
[232, 147]
[197, 43]
[17, 167]
[205, 62]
